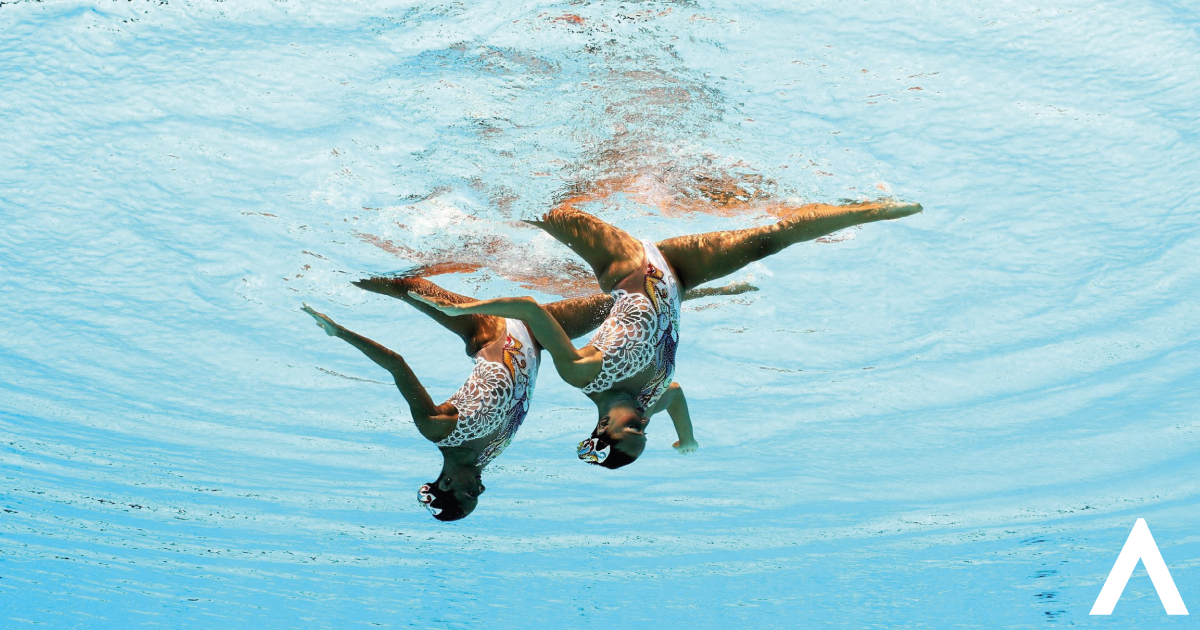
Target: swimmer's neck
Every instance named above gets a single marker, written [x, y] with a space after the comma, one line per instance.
[458, 457]
[612, 398]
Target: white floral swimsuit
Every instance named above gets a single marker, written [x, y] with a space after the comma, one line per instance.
[495, 399]
[641, 329]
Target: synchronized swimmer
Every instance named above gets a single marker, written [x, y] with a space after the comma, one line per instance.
[479, 420]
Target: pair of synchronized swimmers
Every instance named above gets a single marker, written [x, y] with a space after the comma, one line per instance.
[628, 367]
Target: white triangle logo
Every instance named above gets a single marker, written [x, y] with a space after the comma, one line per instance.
[1139, 546]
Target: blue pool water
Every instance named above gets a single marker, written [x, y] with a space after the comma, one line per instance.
[947, 421]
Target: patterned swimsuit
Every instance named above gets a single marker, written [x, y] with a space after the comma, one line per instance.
[640, 330]
[495, 399]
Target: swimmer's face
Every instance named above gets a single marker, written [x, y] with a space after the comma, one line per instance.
[625, 428]
[465, 485]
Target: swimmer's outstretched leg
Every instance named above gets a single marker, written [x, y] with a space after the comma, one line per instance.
[699, 258]
[476, 331]
[612, 253]
[419, 402]
[577, 316]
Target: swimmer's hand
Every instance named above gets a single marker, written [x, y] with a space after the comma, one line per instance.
[687, 447]
[676, 405]
[443, 305]
[324, 322]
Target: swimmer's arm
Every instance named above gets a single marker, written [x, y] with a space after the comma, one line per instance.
[674, 402]
[573, 366]
[433, 421]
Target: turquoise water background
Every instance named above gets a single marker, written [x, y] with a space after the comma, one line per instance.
[947, 421]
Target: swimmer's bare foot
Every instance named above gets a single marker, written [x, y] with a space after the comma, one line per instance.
[887, 209]
[324, 322]
[397, 287]
[404, 287]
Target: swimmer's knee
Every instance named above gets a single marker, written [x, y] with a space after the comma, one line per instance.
[770, 247]
[487, 331]
[616, 271]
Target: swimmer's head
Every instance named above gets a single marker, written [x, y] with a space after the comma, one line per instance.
[619, 437]
[454, 495]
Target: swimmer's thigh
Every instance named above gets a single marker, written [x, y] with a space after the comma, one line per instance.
[612, 253]
[580, 316]
[700, 258]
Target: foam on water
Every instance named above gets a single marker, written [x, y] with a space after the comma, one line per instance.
[951, 420]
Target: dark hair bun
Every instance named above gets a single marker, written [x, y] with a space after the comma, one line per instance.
[441, 503]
